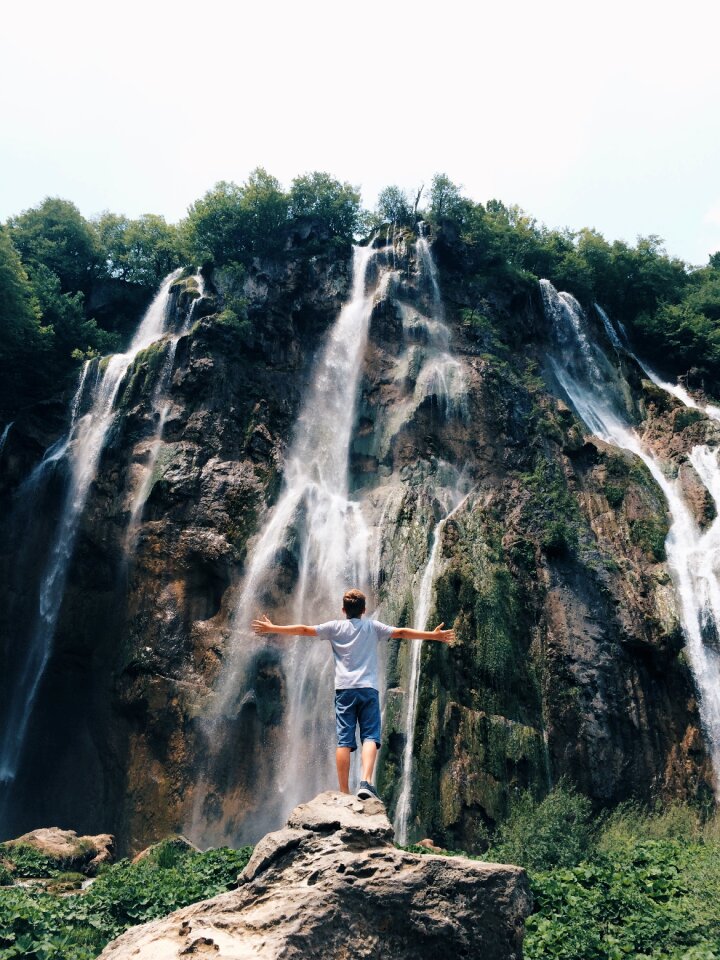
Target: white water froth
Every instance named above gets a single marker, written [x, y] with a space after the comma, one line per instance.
[693, 556]
[82, 447]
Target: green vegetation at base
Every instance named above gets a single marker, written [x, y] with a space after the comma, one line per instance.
[632, 884]
[39, 925]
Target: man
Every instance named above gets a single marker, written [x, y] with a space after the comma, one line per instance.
[357, 701]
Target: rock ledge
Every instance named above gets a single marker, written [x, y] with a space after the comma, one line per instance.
[331, 885]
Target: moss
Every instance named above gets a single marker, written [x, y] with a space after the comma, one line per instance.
[143, 373]
[551, 510]
[650, 533]
[684, 417]
[615, 494]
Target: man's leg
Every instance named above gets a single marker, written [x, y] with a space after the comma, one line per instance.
[368, 755]
[342, 761]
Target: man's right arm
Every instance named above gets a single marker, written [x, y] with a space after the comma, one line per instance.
[263, 625]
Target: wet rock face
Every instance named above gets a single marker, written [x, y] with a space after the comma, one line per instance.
[553, 569]
[331, 884]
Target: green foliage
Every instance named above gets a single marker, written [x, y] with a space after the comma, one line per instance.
[556, 832]
[234, 224]
[28, 861]
[23, 338]
[139, 251]
[650, 534]
[394, 207]
[446, 201]
[552, 511]
[35, 925]
[335, 205]
[56, 236]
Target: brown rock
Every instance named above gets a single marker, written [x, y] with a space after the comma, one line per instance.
[71, 852]
[179, 843]
[331, 885]
[429, 845]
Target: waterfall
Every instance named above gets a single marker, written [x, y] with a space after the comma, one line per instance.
[442, 374]
[160, 406]
[581, 368]
[82, 447]
[4, 436]
[323, 531]
[420, 622]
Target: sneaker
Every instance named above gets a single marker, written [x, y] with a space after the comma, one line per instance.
[366, 791]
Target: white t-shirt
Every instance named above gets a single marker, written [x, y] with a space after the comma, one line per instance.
[354, 644]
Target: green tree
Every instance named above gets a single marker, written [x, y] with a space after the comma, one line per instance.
[336, 205]
[24, 341]
[139, 251]
[56, 235]
[446, 201]
[233, 224]
[394, 207]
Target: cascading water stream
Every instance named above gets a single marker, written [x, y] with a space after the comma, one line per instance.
[445, 380]
[161, 406]
[621, 343]
[693, 556]
[316, 518]
[442, 374]
[420, 622]
[4, 436]
[82, 447]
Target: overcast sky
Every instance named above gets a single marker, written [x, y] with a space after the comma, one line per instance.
[603, 115]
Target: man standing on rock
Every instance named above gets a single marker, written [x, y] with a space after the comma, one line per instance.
[354, 644]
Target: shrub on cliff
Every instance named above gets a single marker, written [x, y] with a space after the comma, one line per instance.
[555, 832]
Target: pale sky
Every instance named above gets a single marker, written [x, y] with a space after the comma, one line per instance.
[603, 115]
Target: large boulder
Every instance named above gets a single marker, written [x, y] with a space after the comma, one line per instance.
[68, 850]
[332, 885]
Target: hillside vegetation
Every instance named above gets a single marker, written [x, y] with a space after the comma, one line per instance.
[72, 288]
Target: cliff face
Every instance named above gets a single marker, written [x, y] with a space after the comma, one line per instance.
[549, 559]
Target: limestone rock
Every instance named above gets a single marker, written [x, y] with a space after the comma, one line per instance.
[71, 852]
[332, 885]
[179, 843]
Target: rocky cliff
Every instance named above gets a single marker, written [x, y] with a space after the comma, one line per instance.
[549, 560]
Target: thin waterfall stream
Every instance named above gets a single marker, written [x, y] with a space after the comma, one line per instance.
[161, 406]
[83, 447]
[595, 388]
[420, 622]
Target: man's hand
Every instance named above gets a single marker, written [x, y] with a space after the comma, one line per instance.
[263, 625]
[444, 636]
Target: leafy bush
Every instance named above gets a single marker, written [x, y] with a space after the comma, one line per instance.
[36, 925]
[28, 861]
[646, 899]
[553, 832]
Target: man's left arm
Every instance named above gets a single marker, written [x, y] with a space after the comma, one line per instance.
[405, 633]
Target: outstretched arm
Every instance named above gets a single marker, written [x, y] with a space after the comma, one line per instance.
[263, 625]
[405, 633]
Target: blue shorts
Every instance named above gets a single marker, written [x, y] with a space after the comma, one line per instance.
[358, 705]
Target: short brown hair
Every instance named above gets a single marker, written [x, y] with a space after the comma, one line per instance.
[354, 603]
